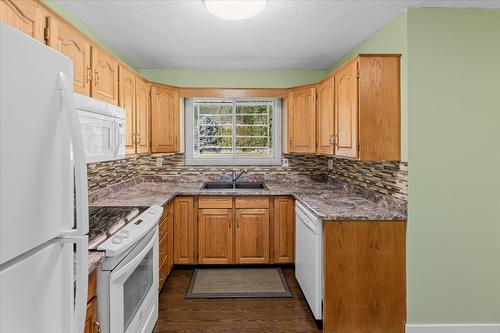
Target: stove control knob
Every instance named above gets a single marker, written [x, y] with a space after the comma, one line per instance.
[153, 210]
[117, 240]
[124, 233]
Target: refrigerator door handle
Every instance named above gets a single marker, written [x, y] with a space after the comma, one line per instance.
[82, 217]
[82, 252]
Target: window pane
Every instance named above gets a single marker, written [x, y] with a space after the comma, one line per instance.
[213, 128]
[254, 128]
[232, 128]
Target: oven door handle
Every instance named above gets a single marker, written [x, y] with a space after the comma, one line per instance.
[117, 275]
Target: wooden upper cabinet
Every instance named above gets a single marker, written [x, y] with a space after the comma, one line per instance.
[284, 230]
[127, 86]
[346, 110]
[164, 120]
[368, 108]
[302, 120]
[75, 46]
[105, 77]
[215, 236]
[184, 236]
[142, 116]
[325, 117]
[252, 236]
[379, 107]
[24, 15]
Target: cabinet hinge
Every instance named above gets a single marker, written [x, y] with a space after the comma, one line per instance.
[46, 33]
[357, 73]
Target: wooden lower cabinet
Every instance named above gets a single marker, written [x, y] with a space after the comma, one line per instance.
[252, 236]
[166, 242]
[213, 230]
[91, 323]
[184, 231]
[364, 277]
[283, 230]
[215, 236]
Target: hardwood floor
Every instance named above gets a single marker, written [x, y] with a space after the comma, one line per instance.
[178, 314]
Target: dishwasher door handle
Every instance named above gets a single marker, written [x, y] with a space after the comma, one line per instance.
[315, 227]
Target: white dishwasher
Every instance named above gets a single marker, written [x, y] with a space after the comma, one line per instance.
[309, 258]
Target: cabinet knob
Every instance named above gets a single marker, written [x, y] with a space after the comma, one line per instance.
[97, 326]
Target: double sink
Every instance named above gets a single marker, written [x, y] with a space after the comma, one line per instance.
[234, 186]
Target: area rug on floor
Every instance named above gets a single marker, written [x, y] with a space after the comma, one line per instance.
[238, 283]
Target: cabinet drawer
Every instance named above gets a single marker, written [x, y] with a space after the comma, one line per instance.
[163, 228]
[163, 273]
[215, 202]
[163, 224]
[252, 202]
[92, 286]
[163, 248]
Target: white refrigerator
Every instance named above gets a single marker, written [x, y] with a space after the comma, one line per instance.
[43, 191]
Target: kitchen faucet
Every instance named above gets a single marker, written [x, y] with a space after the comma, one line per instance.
[235, 176]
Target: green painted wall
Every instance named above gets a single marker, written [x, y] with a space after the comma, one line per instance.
[234, 78]
[83, 27]
[453, 240]
[391, 38]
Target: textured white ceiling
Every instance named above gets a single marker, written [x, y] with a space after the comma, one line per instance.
[288, 34]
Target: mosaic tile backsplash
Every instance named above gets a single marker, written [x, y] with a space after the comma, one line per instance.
[384, 177]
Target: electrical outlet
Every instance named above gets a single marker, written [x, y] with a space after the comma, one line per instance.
[159, 162]
[330, 164]
[284, 162]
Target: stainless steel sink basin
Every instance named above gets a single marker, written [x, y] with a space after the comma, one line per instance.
[235, 186]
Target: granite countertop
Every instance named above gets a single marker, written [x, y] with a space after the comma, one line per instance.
[95, 258]
[325, 200]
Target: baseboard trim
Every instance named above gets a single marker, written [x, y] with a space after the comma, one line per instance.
[453, 328]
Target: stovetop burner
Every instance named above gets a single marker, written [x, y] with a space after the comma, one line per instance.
[104, 221]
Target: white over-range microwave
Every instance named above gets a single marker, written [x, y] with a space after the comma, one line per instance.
[103, 129]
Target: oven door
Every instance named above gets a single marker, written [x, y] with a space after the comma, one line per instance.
[133, 285]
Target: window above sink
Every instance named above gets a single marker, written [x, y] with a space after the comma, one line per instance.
[221, 131]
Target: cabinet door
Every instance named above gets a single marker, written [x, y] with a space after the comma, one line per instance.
[105, 78]
[75, 46]
[164, 120]
[183, 230]
[127, 101]
[252, 236]
[24, 15]
[215, 241]
[142, 115]
[325, 119]
[170, 222]
[302, 120]
[91, 323]
[346, 110]
[284, 230]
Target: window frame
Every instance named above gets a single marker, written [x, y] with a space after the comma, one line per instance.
[275, 159]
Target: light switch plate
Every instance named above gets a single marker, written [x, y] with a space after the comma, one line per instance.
[159, 162]
[284, 162]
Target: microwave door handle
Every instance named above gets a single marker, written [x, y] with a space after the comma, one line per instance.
[81, 284]
[80, 167]
[116, 127]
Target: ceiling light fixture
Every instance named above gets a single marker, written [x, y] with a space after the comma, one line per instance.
[235, 9]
